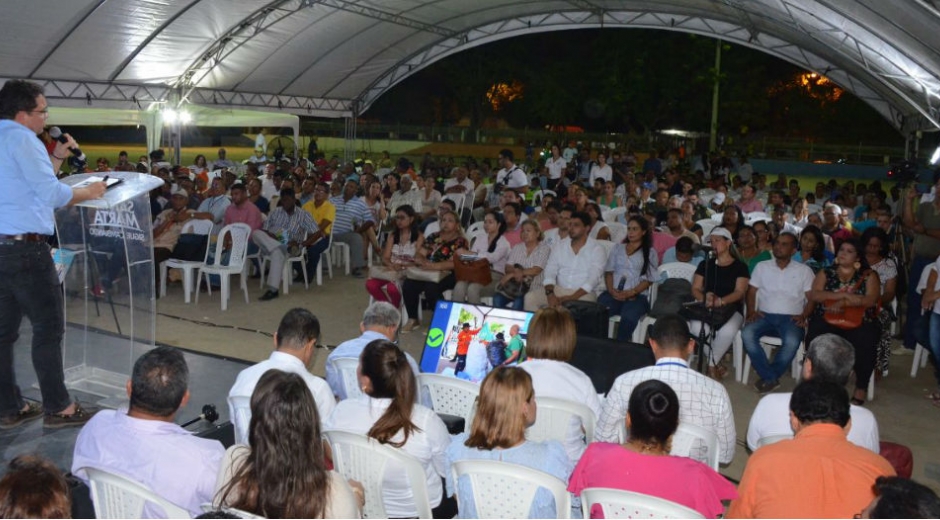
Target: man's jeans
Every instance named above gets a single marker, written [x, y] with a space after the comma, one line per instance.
[29, 286]
[934, 344]
[779, 326]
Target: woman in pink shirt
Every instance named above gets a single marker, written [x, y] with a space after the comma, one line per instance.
[643, 464]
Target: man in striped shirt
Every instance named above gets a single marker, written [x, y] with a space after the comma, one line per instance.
[352, 219]
[296, 228]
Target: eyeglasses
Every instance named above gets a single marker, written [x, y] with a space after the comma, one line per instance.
[44, 112]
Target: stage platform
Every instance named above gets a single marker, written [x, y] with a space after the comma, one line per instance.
[210, 378]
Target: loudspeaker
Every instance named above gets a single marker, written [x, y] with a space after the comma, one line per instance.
[603, 360]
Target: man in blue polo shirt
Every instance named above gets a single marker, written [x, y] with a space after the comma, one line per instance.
[28, 280]
[352, 219]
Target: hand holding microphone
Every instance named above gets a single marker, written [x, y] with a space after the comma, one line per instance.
[66, 144]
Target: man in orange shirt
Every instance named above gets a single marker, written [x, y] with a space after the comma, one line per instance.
[818, 474]
[464, 337]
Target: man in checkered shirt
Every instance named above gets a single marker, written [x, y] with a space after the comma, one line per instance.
[702, 401]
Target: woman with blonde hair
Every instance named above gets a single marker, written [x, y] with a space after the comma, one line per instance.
[505, 408]
[550, 345]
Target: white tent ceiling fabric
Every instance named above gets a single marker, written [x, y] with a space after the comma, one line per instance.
[336, 57]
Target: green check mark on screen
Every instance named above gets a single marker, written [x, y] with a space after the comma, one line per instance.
[435, 338]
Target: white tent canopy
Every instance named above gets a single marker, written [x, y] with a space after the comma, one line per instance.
[336, 57]
[153, 119]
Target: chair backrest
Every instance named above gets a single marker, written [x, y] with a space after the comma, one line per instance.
[554, 417]
[617, 503]
[458, 200]
[365, 460]
[678, 270]
[770, 439]
[689, 437]
[433, 227]
[474, 228]
[707, 225]
[610, 215]
[347, 369]
[450, 395]
[239, 407]
[618, 231]
[241, 235]
[504, 490]
[115, 496]
[197, 227]
[537, 196]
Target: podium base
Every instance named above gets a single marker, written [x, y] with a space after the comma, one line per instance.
[110, 386]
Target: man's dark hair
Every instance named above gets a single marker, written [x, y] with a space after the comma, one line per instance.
[506, 153]
[568, 207]
[819, 401]
[238, 186]
[515, 206]
[450, 203]
[671, 332]
[583, 217]
[297, 327]
[555, 205]
[159, 381]
[903, 498]
[18, 95]
[684, 245]
[288, 192]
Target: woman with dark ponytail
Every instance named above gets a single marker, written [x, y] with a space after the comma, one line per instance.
[643, 464]
[387, 412]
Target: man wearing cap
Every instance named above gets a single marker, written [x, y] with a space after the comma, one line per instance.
[167, 228]
[28, 280]
[718, 201]
[833, 226]
[781, 312]
[258, 157]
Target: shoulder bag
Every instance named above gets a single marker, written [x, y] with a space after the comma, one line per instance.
[849, 317]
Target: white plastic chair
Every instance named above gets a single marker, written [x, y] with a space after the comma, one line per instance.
[476, 227]
[707, 225]
[554, 419]
[340, 254]
[325, 259]
[617, 503]
[458, 199]
[286, 274]
[347, 368]
[537, 196]
[196, 227]
[240, 234]
[611, 215]
[115, 496]
[689, 436]
[771, 439]
[363, 459]
[742, 362]
[504, 490]
[670, 270]
[451, 396]
[239, 408]
[920, 359]
[432, 228]
[618, 231]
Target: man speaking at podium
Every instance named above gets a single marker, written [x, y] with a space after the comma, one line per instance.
[28, 281]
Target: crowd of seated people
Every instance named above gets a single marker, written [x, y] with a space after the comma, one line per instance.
[763, 237]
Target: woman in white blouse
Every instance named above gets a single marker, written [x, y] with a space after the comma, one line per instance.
[601, 170]
[388, 413]
[631, 269]
[550, 344]
[491, 245]
[430, 198]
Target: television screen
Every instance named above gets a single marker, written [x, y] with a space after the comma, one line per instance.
[467, 340]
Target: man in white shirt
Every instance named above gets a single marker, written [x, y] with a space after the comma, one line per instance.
[556, 235]
[295, 344]
[460, 184]
[574, 268]
[702, 401]
[831, 358]
[784, 287]
[380, 321]
[511, 176]
[144, 443]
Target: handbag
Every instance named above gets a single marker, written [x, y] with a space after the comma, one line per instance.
[473, 271]
[425, 275]
[380, 272]
[849, 317]
[513, 288]
[715, 317]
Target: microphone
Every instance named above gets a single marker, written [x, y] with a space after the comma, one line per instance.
[56, 133]
[209, 413]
